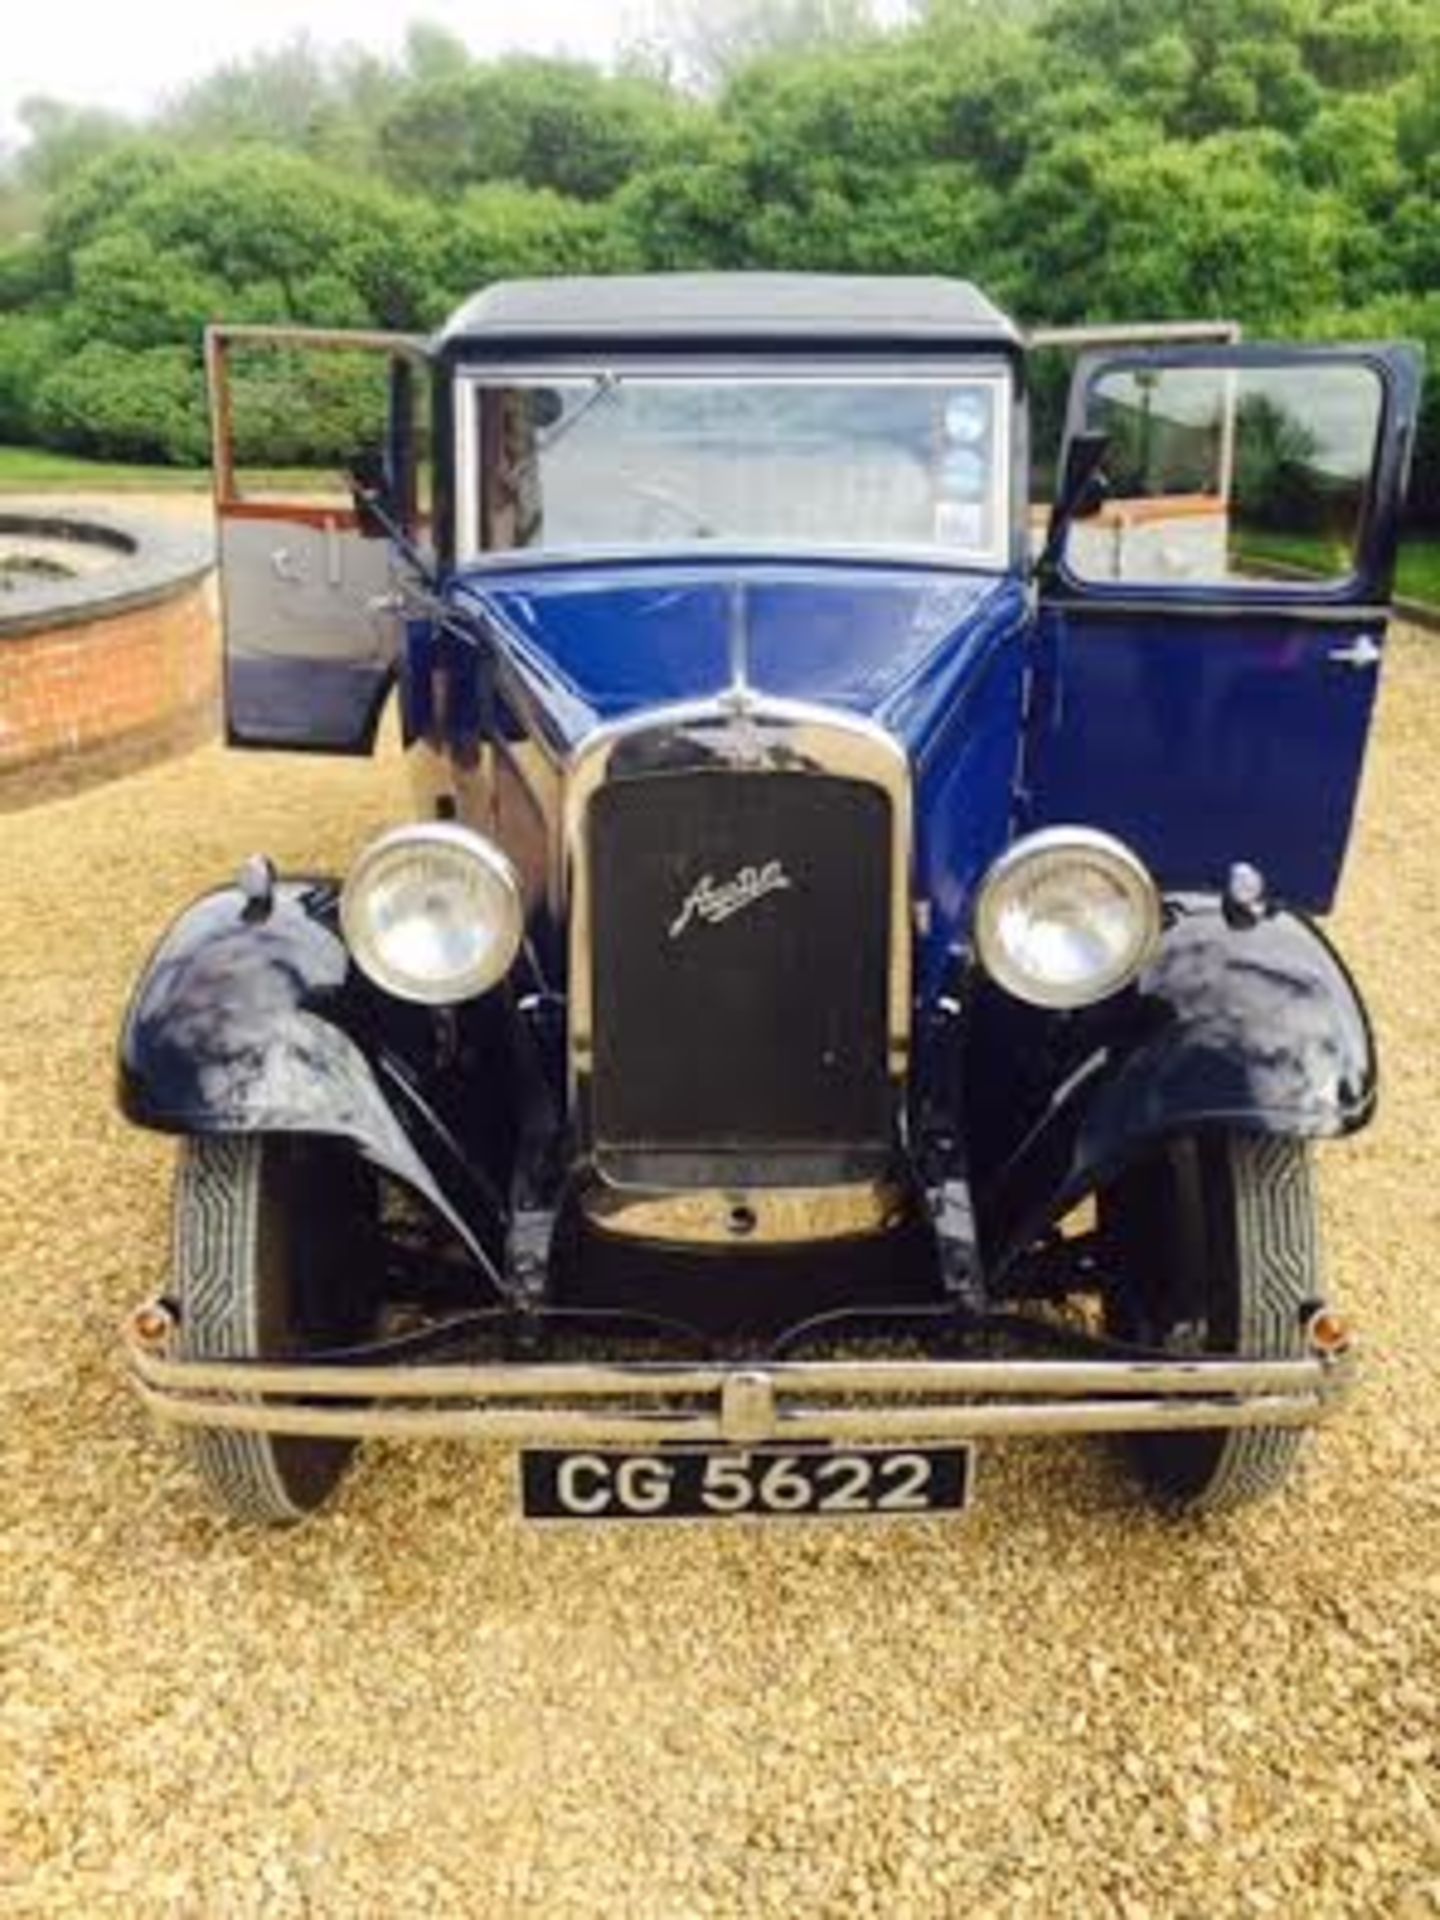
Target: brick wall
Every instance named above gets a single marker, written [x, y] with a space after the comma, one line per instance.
[83, 700]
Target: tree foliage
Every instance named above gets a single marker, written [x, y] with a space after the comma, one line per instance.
[551, 124]
[1275, 161]
[703, 44]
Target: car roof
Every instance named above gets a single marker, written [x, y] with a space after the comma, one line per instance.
[754, 309]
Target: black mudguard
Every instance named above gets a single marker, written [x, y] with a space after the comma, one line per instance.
[1252, 1026]
[251, 1019]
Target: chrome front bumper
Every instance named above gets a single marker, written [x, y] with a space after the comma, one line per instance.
[646, 1403]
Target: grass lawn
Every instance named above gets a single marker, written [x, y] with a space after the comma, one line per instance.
[36, 470]
[1417, 576]
[33, 469]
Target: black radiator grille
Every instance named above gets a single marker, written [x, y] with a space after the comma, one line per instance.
[741, 939]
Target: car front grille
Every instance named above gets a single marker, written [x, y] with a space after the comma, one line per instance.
[740, 945]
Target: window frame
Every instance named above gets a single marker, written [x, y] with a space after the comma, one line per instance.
[995, 370]
[1397, 372]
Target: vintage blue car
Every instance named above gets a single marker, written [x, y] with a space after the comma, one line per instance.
[848, 988]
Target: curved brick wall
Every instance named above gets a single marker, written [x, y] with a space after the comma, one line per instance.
[111, 669]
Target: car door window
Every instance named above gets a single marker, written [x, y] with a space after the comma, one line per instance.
[1230, 475]
[311, 618]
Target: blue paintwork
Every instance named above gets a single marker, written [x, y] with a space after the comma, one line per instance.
[620, 639]
[936, 657]
[1199, 732]
[1201, 739]
[1191, 735]
[219, 979]
[1208, 724]
[256, 1022]
[1255, 1026]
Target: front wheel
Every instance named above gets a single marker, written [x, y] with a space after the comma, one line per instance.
[275, 1256]
[1213, 1247]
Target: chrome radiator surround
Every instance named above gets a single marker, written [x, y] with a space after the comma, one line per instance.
[752, 734]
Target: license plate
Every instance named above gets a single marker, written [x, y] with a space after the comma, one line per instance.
[754, 1483]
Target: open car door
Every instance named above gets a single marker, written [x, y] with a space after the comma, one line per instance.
[312, 620]
[1209, 639]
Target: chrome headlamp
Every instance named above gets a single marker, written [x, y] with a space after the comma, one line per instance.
[433, 913]
[1065, 917]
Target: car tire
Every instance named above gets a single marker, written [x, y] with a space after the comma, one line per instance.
[275, 1255]
[1213, 1247]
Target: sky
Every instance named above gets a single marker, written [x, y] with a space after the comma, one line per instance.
[128, 54]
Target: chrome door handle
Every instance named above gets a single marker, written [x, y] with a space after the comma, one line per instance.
[1359, 654]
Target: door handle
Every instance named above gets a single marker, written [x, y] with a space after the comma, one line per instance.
[1360, 653]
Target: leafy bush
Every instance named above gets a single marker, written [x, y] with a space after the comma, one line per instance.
[1416, 320]
[1272, 161]
[305, 409]
[112, 401]
[28, 349]
[551, 124]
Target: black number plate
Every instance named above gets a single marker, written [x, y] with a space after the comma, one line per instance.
[757, 1483]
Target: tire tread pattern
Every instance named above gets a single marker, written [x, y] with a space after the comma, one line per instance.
[1277, 1260]
[217, 1273]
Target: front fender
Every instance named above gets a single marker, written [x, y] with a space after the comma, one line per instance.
[1257, 1027]
[243, 1022]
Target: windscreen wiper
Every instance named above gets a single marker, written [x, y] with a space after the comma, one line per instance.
[605, 385]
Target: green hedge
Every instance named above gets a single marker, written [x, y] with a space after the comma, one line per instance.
[1274, 161]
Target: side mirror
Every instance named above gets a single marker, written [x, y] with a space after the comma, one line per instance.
[1083, 490]
[546, 407]
[375, 511]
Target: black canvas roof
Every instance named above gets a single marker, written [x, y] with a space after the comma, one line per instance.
[753, 308]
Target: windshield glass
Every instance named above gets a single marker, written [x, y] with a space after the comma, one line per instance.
[637, 461]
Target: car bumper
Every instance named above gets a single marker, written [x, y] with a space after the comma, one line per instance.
[644, 1403]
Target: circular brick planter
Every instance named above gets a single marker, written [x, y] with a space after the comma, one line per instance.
[111, 667]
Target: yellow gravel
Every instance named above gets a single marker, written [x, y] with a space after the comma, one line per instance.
[1058, 1706]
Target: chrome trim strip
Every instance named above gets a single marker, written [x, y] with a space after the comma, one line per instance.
[512, 1427]
[739, 642]
[758, 553]
[646, 1402]
[1166, 333]
[1267, 599]
[661, 1379]
[823, 739]
[694, 360]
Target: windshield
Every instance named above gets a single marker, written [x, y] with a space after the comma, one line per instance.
[628, 462]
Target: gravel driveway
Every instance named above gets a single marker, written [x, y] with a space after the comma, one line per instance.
[1059, 1706]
